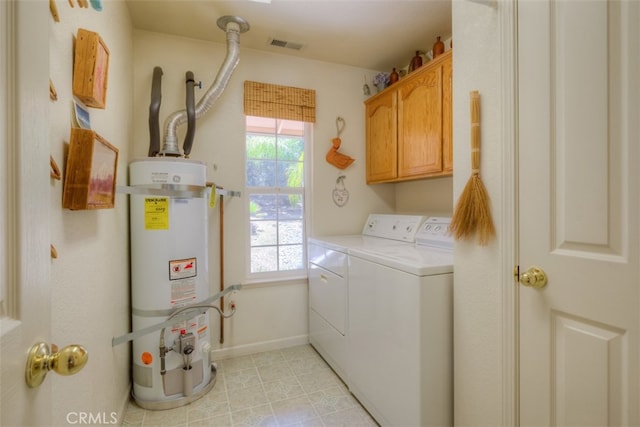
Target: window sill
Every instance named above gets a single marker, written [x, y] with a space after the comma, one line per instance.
[275, 281]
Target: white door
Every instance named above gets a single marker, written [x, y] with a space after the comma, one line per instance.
[24, 187]
[579, 184]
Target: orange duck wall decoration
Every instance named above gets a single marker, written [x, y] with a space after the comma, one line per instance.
[339, 160]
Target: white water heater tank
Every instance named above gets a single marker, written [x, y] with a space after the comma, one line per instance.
[169, 269]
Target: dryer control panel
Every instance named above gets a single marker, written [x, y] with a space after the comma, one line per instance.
[435, 233]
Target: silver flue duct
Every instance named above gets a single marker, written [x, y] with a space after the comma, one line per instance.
[233, 26]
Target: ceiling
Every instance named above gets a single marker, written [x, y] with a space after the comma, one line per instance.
[372, 34]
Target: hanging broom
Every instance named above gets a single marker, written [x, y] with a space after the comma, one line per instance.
[472, 214]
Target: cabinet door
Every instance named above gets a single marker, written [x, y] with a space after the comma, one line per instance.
[381, 134]
[420, 125]
[447, 115]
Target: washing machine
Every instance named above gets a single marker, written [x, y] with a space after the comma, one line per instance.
[329, 280]
[400, 317]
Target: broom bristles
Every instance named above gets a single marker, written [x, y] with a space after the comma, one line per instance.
[473, 213]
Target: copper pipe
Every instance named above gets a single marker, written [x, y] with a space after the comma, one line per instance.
[222, 265]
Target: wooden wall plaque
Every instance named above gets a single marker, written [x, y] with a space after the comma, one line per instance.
[90, 69]
[90, 177]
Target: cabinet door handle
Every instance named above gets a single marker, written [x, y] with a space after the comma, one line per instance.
[324, 278]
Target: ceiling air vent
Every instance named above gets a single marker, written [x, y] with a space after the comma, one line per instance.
[284, 43]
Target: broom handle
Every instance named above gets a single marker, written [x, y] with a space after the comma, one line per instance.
[475, 132]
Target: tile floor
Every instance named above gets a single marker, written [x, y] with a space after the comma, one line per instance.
[289, 387]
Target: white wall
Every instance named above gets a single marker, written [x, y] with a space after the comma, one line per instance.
[90, 278]
[477, 289]
[433, 197]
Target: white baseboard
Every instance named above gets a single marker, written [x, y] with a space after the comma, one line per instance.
[259, 347]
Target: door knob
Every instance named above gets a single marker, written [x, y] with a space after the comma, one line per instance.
[41, 360]
[534, 277]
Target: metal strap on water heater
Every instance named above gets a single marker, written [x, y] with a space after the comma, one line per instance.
[178, 191]
[183, 316]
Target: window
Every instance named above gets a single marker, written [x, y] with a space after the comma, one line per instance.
[275, 188]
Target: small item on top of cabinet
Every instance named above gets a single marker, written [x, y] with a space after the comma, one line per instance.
[416, 62]
[365, 88]
[340, 194]
[438, 48]
[339, 160]
[394, 76]
[381, 81]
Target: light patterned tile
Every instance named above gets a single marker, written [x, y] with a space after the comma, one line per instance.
[237, 364]
[275, 371]
[220, 381]
[242, 379]
[308, 365]
[313, 422]
[299, 352]
[332, 400]
[257, 416]
[133, 418]
[219, 390]
[243, 398]
[267, 358]
[349, 418]
[265, 389]
[133, 415]
[167, 418]
[317, 381]
[223, 420]
[133, 407]
[293, 411]
[207, 407]
[283, 388]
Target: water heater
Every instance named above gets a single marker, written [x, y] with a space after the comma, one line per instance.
[169, 263]
[169, 270]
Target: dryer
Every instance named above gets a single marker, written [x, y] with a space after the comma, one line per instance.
[400, 305]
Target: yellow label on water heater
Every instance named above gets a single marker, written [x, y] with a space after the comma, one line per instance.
[156, 213]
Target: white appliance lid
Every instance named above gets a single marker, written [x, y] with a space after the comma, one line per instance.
[413, 259]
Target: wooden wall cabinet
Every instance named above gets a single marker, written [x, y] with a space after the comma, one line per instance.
[409, 126]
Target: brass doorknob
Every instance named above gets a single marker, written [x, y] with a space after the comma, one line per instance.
[41, 360]
[534, 277]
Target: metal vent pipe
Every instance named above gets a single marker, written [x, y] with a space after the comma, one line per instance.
[233, 26]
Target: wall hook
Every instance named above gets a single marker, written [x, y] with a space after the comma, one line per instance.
[340, 123]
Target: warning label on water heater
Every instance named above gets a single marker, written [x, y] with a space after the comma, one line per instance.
[156, 213]
[182, 269]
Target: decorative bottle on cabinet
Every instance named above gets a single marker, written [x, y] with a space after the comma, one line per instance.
[394, 76]
[416, 62]
[438, 48]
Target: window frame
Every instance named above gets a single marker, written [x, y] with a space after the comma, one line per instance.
[304, 191]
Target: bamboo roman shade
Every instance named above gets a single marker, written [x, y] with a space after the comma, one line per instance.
[279, 102]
